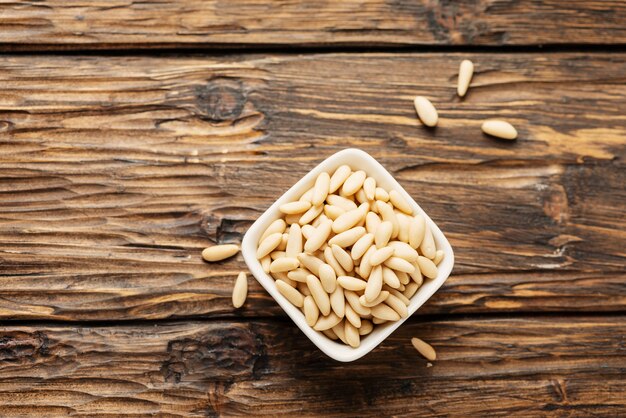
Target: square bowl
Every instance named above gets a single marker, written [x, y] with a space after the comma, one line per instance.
[357, 160]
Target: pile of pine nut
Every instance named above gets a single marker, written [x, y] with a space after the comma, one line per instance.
[349, 254]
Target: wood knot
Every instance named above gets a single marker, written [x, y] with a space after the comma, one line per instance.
[219, 354]
[23, 347]
[222, 99]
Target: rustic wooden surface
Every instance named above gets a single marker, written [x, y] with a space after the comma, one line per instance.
[547, 366]
[118, 171]
[122, 24]
[118, 165]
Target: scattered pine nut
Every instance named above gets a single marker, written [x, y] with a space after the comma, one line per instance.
[466, 70]
[426, 350]
[240, 290]
[426, 111]
[499, 129]
[221, 252]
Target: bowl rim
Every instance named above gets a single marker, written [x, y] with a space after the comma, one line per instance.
[356, 158]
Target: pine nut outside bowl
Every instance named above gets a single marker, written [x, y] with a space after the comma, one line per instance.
[357, 160]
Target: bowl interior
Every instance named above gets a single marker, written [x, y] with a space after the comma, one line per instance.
[358, 160]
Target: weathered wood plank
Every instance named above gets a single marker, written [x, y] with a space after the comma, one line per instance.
[532, 367]
[120, 24]
[117, 171]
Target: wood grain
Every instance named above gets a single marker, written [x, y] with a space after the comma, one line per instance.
[527, 367]
[117, 171]
[121, 24]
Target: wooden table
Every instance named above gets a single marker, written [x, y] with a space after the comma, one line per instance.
[134, 134]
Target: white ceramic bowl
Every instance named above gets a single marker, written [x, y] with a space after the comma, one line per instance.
[358, 160]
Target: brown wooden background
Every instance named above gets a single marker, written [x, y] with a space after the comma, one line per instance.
[134, 134]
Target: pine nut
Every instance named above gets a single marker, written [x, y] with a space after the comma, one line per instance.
[416, 231]
[328, 278]
[381, 194]
[427, 267]
[332, 261]
[366, 327]
[284, 264]
[298, 275]
[333, 212]
[352, 335]
[351, 283]
[369, 187]
[438, 257]
[321, 188]
[402, 276]
[278, 225]
[372, 222]
[378, 321]
[343, 258]
[339, 177]
[294, 241]
[340, 331]
[291, 208]
[397, 263]
[424, 349]
[397, 305]
[353, 300]
[274, 255]
[361, 246]
[307, 196]
[374, 284]
[403, 250]
[283, 243]
[360, 196]
[427, 247]
[466, 70]
[293, 219]
[319, 294]
[347, 238]
[283, 276]
[240, 290]
[387, 214]
[221, 252]
[330, 334]
[365, 268]
[400, 202]
[291, 294]
[338, 302]
[426, 111]
[379, 256]
[390, 278]
[311, 214]
[311, 311]
[417, 274]
[354, 182]
[265, 263]
[303, 288]
[499, 129]
[385, 312]
[312, 263]
[400, 296]
[326, 322]
[307, 231]
[404, 222]
[350, 219]
[319, 237]
[269, 244]
[410, 290]
[342, 202]
[353, 317]
[383, 234]
[379, 299]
